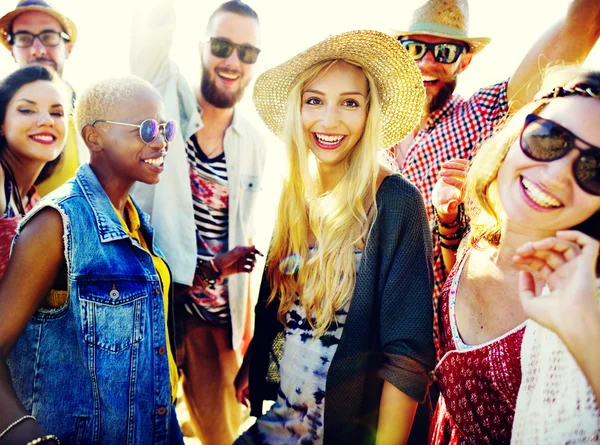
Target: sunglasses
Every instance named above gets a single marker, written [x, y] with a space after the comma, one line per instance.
[149, 129]
[223, 48]
[442, 52]
[24, 39]
[546, 141]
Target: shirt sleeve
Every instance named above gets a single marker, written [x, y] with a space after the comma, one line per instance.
[406, 318]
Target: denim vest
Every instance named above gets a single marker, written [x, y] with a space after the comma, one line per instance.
[95, 371]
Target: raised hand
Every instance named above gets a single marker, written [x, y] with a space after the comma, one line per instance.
[449, 191]
[238, 260]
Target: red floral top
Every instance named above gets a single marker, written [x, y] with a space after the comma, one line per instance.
[478, 383]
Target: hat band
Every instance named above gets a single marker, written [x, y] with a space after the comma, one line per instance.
[429, 27]
[33, 3]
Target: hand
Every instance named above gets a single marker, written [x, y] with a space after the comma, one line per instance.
[238, 260]
[567, 264]
[449, 191]
[241, 382]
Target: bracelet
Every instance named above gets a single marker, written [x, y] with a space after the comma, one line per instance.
[453, 236]
[15, 423]
[47, 438]
[453, 247]
[215, 268]
[458, 220]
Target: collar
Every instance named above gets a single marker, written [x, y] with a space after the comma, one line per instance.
[106, 218]
[235, 121]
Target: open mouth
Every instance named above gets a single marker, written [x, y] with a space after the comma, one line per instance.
[538, 196]
[156, 162]
[45, 139]
[430, 81]
[329, 141]
[228, 76]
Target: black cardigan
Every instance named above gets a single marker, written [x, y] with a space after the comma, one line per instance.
[388, 331]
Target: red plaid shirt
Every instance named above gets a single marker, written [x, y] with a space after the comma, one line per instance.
[454, 131]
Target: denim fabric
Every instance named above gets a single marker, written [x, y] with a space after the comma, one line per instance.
[95, 371]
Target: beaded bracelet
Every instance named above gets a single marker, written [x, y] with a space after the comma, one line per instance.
[15, 423]
[453, 236]
[457, 221]
[47, 438]
[453, 247]
[208, 276]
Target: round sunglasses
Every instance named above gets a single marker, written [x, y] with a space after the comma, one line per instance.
[149, 129]
[442, 52]
[222, 48]
[544, 140]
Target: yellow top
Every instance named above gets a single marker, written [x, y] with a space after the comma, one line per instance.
[68, 165]
[133, 230]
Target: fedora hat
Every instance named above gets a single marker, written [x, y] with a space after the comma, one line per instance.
[35, 5]
[444, 18]
[396, 76]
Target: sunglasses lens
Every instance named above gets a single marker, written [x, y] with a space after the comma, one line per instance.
[149, 130]
[248, 54]
[542, 140]
[416, 50]
[447, 52]
[170, 131]
[587, 173]
[220, 48]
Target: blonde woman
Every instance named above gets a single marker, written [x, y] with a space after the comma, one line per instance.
[347, 290]
[534, 201]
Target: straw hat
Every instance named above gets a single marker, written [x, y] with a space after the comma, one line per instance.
[396, 75]
[35, 5]
[444, 18]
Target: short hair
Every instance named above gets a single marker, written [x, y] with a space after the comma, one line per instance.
[13, 83]
[235, 7]
[101, 98]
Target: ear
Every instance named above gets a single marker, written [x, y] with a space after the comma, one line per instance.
[93, 138]
[465, 61]
[68, 48]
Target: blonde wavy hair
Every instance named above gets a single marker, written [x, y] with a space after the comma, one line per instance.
[325, 281]
[483, 205]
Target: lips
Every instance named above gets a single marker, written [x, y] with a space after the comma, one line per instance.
[537, 197]
[43, 138]
[228, 76]
[157, 161]
[328, 141]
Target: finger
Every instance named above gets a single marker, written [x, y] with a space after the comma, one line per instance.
[551, 258]
[549, 246]
[460, 164]
[455, 182]
[453, 172]
[588, 244]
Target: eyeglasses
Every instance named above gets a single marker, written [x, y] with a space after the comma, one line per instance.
[24, 39]
[149, 129]
[223, 48]
[545, 141]
[442, 52]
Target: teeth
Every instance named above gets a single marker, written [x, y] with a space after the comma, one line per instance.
[42, 137]
[157, 162]
[429, 78]
[228, 76]
[329, 139]
[538, 196]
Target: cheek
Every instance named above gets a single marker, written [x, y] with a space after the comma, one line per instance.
[357, 124]
[309, 118]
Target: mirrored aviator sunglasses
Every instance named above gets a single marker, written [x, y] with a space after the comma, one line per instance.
[149, 130]
[545, 141]
[223, 48]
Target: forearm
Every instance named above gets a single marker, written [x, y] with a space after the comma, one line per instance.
[396, 415]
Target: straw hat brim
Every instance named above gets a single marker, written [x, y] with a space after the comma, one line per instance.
[476, 44]
[5, 22]
[397, 78]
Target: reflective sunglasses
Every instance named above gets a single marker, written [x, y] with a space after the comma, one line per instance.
[545, 141]
[149, 129]
[223, 48]
[24, 39]
[442, 52]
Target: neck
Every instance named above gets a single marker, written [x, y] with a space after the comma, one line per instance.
[513, 237]
[25, 172]
[213, 118]
[329, 176]
[115, 188]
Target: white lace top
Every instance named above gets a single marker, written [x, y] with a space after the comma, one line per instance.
[556, 404]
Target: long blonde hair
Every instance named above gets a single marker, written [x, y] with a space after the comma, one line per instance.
[323, 282]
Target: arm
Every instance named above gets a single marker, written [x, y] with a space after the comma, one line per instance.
[151, 40]
[21, 293]
[568, 41]
[396, 414]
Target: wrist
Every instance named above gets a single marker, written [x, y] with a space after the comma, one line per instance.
[580, 335]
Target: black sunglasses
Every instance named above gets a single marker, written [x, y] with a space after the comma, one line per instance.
[149, 129]
[223, 48]
[24, 39]
[545, 141]
[442, 52]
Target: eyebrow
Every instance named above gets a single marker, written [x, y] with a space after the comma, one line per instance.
[347, 93]
[43, 30]
[35, 103]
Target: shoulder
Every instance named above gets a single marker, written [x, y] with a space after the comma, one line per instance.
[396, 188]
[489, 95]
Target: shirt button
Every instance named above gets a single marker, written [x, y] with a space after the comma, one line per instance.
[161, 411]
[162, 350]
[157, 290]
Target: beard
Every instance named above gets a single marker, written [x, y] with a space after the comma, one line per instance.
[216, 97]
[439, 100]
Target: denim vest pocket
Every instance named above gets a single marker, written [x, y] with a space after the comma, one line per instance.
[113, 312]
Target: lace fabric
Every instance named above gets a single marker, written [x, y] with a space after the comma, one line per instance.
[556, 404]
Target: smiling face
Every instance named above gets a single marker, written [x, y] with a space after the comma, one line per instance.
[224, 79]
[35, 22]
[544, 197]
[334, 112]
[128, 157]
[35, 124]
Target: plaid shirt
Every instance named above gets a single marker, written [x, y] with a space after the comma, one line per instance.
[454, 131]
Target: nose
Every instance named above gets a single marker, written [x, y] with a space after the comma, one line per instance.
[427, 60]
[160, 141]
[37, 47]
[558, 173]
[45, 119]
[330, 117]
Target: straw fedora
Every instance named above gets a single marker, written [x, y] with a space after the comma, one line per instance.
[35, 5]
[396, 75]
[444, 18]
